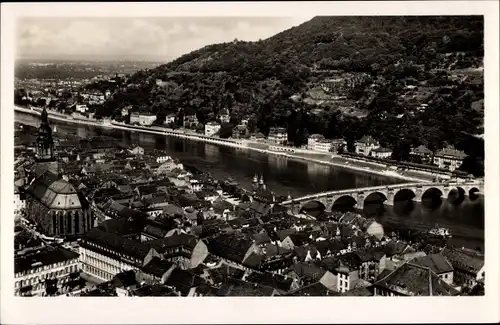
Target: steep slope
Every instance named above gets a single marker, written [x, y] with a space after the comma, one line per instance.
[314, 77]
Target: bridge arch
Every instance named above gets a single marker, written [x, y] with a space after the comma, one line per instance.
[314, 205]
[432, 191]
[344, 203]
[473, 193]
[376, 196]
[404, 194]
[455, 195]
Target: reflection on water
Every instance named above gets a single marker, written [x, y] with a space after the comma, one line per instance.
[464, 218]
[298, 178]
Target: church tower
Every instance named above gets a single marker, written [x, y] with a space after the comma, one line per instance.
[45, 159]
[44, 141]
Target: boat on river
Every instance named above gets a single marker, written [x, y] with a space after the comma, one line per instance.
[440, 232]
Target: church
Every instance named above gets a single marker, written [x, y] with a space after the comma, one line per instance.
[52, 203]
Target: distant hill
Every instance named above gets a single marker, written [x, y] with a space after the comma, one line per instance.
[339, 76]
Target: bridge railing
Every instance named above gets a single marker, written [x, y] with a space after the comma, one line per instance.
[375, 188]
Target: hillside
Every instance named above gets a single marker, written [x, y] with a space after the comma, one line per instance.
[392, 77]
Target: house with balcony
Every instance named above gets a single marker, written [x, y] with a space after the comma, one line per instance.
[277, 135]
[449, 158]
[365, 145]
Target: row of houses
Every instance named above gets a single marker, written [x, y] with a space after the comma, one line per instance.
[446, 158]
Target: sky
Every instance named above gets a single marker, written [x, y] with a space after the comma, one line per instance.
[149, 39]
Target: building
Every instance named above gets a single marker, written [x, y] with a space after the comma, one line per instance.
[19, 201]
[104, 254]
[338, 145]
[225, 117]
[163, 159]
[125, 110]
[422, 153]
[57, 208]
[170, 119]
[413, 280]
[44, 271]
[211, 128]
[81, 108]
[365, 145]
[381, 153]
[190, 121]
[438, 264]
[312, 140]
[278, 135]
[469, 268]
[318, 143]
[44, 157]
[142, 118]
[449, 158]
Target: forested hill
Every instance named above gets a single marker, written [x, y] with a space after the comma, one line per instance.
[413, 78]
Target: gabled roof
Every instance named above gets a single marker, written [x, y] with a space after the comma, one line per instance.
[157, 267]
[239, 288]
[271, 280]
[183, 281]
[415, 280]
[422, 150]
[125, 279]
[367, 139]
[308, 271]
[314, 289]
[46, 256]
[461, 260]
[436, 262]
[451, 152]
[116, 243]
[56, 193]
[162, 244]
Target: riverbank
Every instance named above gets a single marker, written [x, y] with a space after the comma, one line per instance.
[304, 155]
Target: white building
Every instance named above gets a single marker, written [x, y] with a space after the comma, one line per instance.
[317, 142]
[163, 159]
[382, 153]
[142, 118]
[312, 140]
[81, 108]
[196, 186]
[278, 135]
[211, 128]
[169, 119]
[19, 201]
[48, 266]
[103, 254]
[365, 145]
[449, 158]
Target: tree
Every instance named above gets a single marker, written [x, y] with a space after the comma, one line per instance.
[226, 130]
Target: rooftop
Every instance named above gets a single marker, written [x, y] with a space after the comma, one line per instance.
[45, 256]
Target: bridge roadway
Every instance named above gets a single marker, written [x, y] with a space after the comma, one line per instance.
[387, 193]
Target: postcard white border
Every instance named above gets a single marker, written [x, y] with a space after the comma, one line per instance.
[252, 310]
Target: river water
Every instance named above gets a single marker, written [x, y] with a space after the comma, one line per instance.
[286, 176]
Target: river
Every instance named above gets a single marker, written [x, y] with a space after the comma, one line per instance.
[287, 176]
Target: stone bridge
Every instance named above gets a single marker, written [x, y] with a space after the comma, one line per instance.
[387, 194]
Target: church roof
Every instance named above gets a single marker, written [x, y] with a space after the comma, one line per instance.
[56, 193]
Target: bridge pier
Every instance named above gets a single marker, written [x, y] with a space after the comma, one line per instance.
[418, 194]
[360, 201]
[390, 197]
